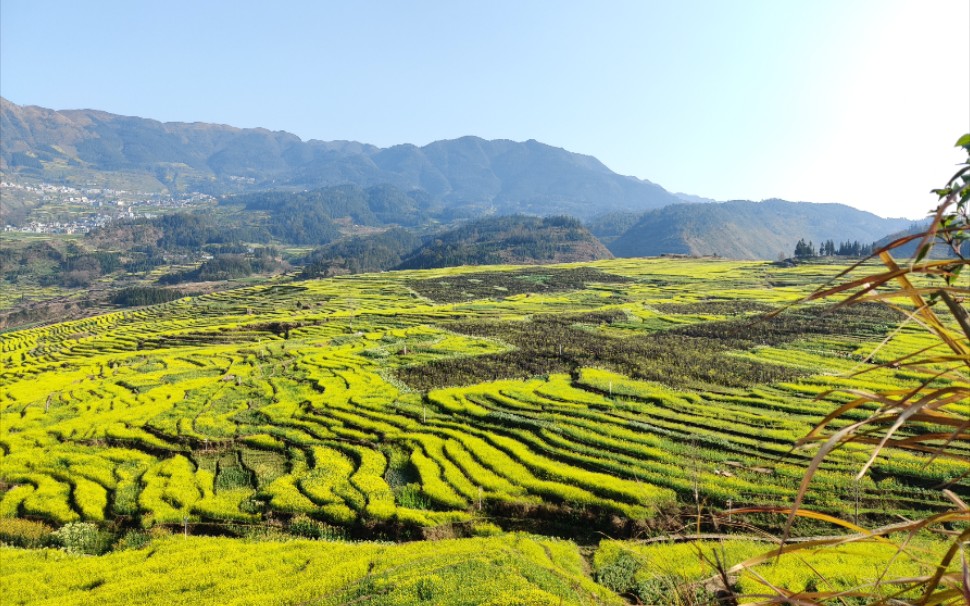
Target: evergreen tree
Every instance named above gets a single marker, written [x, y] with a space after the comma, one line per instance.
[803, 249]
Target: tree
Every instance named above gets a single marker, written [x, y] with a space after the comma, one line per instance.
[804, 250]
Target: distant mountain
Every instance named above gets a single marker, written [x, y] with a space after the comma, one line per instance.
[693, 199]
[308, 192]
[467, 177]
[509, 240]
[748, 230]
[939, 250]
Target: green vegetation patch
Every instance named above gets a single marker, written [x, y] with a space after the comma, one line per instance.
[499, 284]
[692, 356]
[719, 307]
[556, 343]
[867, 321]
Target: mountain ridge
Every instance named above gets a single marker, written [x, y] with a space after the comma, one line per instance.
[475, 176]
[744, 229]
[437, 184]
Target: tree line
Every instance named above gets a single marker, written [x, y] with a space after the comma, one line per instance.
[829, 248]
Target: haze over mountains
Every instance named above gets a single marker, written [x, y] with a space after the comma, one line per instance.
[442, 182]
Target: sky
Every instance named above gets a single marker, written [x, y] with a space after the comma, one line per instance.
[852, 101]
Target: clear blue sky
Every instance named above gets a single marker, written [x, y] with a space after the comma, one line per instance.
[854, 101]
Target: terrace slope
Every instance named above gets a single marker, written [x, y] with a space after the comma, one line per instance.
[567, 400]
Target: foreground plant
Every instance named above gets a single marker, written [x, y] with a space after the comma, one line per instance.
[932, 419]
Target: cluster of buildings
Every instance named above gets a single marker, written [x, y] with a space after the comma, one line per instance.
[80, 226]
[50, 216]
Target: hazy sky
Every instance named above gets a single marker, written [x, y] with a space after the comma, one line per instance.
[854, 101]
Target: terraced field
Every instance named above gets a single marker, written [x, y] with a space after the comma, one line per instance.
[617, 398]
[363, 403]
[508, 570]
[500, 571]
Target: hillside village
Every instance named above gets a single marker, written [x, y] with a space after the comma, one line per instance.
[63, 209]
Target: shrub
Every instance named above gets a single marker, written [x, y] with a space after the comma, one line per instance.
[83, 538]
[620, 574]
[673, 590]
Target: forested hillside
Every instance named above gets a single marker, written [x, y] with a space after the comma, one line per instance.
[747, 230]
[508, 240]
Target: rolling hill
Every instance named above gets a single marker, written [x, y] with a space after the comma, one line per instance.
[514, 239]
[748, 230]
[939, 249]
[509, 240]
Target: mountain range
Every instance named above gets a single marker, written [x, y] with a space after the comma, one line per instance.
[470, 175]
[415, 187]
